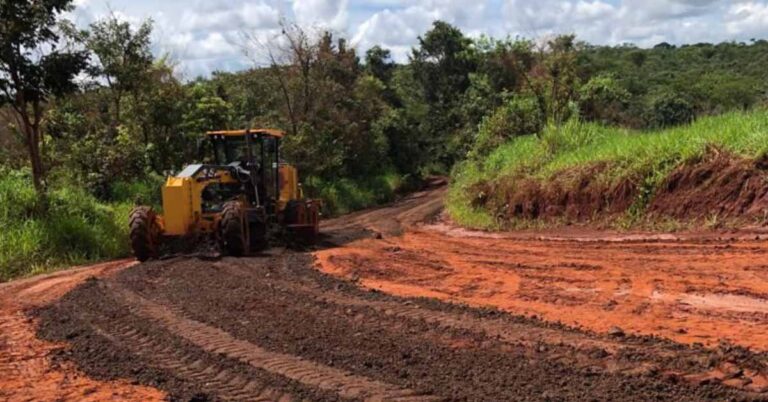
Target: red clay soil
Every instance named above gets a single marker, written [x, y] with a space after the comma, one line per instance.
[576, 194]
[27, 372]
[696, 289]
[718, 186]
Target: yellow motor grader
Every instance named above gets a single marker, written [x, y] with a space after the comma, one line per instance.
[244, 195]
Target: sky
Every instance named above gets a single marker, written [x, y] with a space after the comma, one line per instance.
[202, 36]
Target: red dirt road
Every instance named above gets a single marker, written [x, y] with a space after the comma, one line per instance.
[697, 289]
[290, 326]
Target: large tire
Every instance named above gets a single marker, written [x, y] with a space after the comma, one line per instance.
[144, 233]
[233, 229]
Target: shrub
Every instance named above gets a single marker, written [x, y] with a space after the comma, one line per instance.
[603, 99]
[669, 109]
[346, 195]
[518, 116]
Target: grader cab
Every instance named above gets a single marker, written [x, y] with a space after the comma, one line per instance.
[242, 195]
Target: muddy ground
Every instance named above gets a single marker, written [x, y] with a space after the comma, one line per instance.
[390, 308]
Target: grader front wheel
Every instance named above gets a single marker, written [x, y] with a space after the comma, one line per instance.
[233, 229]
[144, 233]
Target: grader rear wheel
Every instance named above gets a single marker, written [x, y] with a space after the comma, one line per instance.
[233, 229]
[144, 233]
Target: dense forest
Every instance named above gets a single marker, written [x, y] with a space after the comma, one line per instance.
[92, 120]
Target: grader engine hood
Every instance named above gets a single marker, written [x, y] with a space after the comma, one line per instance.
[182, 198]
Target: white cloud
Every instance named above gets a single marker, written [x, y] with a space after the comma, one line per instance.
[321, 13]
[207, 34]
[748, 18]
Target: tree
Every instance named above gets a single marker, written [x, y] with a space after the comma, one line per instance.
[442, 64]
[35, 64]
[124, 57]
[378, 62]
[443, 61]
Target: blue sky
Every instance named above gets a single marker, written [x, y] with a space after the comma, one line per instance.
[203, 36]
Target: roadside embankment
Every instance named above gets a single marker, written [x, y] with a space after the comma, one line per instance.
[710, 173]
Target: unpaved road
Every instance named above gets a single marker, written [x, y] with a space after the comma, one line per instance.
[373, 316]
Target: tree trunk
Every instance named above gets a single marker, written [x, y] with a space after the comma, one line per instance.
[32, 142]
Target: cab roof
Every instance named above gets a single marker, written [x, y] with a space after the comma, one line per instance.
[269, 132]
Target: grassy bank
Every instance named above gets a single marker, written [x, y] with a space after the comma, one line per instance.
[73, 228]
[647, 157]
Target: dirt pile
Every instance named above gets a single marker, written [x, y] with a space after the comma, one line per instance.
[27, 369]
[718, 186]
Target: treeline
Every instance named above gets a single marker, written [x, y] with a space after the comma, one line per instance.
[104, 110]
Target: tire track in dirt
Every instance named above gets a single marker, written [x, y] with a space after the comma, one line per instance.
[581, 349]
[28, 371]
[216, 341]
[672, 289]
[215, 380]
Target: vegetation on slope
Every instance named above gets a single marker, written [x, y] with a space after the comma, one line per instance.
[645, 158]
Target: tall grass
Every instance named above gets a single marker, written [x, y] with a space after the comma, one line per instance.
[73, 228]
[649, 155]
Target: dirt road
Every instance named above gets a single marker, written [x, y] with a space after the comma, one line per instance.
[373, 316]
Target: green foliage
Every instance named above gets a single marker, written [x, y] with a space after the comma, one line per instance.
[669, 109]
[36, 64]
[518, 116]
[602, 99]
[346, 195]
[123, 54]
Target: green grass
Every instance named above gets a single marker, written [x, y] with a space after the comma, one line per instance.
[74, 228]
[648, 155]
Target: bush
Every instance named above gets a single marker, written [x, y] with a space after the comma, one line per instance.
[147, 191]
[603, 99]
[669, 109]
[518, 116]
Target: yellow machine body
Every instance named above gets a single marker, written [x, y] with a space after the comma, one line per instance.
[240, 199]
[182, 199]
[289, 185]
[182, 202]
